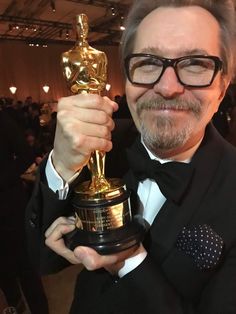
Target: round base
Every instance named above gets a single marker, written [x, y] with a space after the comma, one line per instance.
[109, 242]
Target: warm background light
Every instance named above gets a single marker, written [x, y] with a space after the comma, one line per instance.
[13, 89]
[108, 87]
[46, 88]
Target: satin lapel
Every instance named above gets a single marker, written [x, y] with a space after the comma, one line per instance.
[132, 186]
[172, 218]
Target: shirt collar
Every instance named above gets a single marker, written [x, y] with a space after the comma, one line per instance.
[162, 161]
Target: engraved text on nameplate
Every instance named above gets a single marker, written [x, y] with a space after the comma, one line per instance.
[105, 218]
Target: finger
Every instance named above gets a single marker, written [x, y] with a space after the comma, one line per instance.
[93, 101]
[90, 101]
[59, 231]
[93, 130]
[91, 116]
[112, 103]
[72, 128]
[85, 125]
[56, 242]
[85, 145]
[61, 220]
[91, 259]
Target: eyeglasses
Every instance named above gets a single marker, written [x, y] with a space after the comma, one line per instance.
[191, 71]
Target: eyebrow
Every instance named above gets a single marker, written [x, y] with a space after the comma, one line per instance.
[187, 52]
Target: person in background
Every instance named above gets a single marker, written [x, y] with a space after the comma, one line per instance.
[222, 118]
[33, 122]
[123, 111]
[16, 271]
[179, 58]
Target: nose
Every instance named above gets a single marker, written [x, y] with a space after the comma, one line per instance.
[169, 86]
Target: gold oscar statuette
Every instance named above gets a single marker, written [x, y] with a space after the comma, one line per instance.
[102, 207]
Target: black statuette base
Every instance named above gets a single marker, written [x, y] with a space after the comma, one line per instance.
[112, 241]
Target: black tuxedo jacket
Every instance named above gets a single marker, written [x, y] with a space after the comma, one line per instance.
[168, 281]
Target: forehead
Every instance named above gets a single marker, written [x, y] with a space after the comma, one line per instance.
[174, 32]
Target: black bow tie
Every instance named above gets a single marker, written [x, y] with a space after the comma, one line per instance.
[171, 177]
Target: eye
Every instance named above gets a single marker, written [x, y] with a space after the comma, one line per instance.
[196, 65]
[146, 64]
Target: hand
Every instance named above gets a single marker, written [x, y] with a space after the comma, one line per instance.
[54, 237]
[85, 255]
[112, 263]
[84, 124]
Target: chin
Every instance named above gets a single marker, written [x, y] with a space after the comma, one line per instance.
[164, 138]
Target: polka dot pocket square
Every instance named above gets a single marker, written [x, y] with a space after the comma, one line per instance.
[201, 243]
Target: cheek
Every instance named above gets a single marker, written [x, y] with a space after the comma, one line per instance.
[128, 91]
[213, 97]
[131, 97]
[210, 102]
[133, 93]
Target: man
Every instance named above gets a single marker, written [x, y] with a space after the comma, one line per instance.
[179, 60]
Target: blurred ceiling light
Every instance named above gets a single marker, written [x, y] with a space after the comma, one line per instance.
[13, 89]
[108, 87]
[52, 4]
[46, 88]
[113, 11]
[122, 27]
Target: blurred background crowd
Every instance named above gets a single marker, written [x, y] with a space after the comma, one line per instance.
[26, 136]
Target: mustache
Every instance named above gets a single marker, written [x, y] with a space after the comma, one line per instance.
[164, 104]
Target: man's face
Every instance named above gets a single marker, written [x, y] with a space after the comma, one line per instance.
[177, 115]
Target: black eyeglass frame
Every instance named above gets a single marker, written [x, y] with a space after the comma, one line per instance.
[167, 62]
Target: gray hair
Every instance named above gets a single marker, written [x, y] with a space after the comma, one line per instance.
[222, 10]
